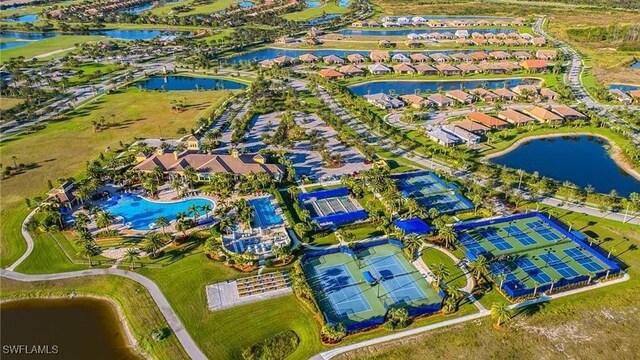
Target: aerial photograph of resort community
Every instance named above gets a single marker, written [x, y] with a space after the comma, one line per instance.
[319, 179]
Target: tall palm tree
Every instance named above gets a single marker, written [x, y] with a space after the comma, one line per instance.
[162, 221]
[206, 209]
[152, 243]
[448, 235]
[440, 271]
[195, 210]
[131, 256]
[480, 267]
[104, 219]
[500, 312]
[86, 251]
[412, 243]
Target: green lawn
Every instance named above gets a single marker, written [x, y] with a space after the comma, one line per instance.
[216, 5]
[136, 113]
[139, 309]
[224, 334]
[47, 46]
[331, 7]
[89, 69]
[7, 103]
[432, 256]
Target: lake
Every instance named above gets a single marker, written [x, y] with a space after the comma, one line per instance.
[582, 160]
[413, 86]
[139, 9]
[322, 19]
[21, 35]
[81, 328]
[22, 19]
[14, 44]
[171, 83]
[406, 32]
[625, 87]
[312, 3]
[635, 65]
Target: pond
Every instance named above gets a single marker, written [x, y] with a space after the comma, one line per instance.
[140, 213]
[582, 160]
[133, 34]
[171, 83]
[636, 65]
[245, 4]
[21, 35]
[140, 8]
[405, 32]
[344, 3]
[625, 87]
[22, 19]
[13, 44]
[322, 19]
[80, 328]
[312, 3]
[413, 86]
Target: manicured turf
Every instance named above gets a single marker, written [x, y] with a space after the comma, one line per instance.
[137, 113]
[331, 7]
[46, 46]
[7, 103]
[434, 257]
[140, 311]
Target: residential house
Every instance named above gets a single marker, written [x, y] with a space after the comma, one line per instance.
[548, 94]
[448, 69]
[491, 68]
[539, 41]
[443, 138]
[472, 127]
[522, 55]
[460, 56]
[621, 96]
[568, 113]
[65, 194]
[404, 68]
[413, 43]
[331, 74]
[484, 95]
[440, 100]
[267, 63]
[385, 44]
[635, 95]
[419, 57]
[426, 69]
[284, 60]
[460, 96]
[384, 101]
[499, 55]
[462, 34]
[470, 68]
[505, 94]
[509, 66]
[439, 57]
[379, 69]
[351, 70]
[355, 58]
[487, 120]
[308, 58]
[546, 54]
[479, 56]
[401, 58]
[525, 90]
[415, 101]
[333, 59]
[543, 115]
[467, 136]
[514, 117]
[379, 56]
[534, 65]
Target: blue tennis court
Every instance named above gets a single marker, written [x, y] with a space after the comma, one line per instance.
[533, 271]
[583, 260]
[338, 285]
[510, 279]
[558, 265]
[519, 235]
[473, 247]
[495, 239]
[543, 231]
[396, 279]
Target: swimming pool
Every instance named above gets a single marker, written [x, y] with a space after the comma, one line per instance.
[264, 213]
[141, 213]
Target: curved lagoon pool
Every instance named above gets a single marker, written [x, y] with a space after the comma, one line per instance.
[141, 213]
[582, 160]
[189, 83]
[413, 86]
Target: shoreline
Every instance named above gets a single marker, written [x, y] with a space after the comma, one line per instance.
[122, 320]
[615, 154]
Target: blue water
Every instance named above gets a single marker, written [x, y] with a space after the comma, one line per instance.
[11, 45]
[22, 19]
[133, 34]
[245, 4]
[625, 87]
[581, 160]
[141, 212]
[26, 35]
[411, 87]
[170, 83]
[264, 213]
[635, 65]
[322, 19]
[344, 3]
[139, 9]
[312, 3]
[406, 32]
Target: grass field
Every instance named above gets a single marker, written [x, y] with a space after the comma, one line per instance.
[216, 5]
[432, 256]
[140, 311]
[331, 7]
[141, 114]
[7, 103]
[46, 46]
[591, 325]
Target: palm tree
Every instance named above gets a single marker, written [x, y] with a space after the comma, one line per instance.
[176, 186]
[182, 227]
[195, 210]
[501, 313]
[448, 235]
[412, 243]
[81, 221]
[440, 272]
[206, 209]
[479, 268]
[152, 243]
[86, 251]
[104, 219]
[293, 191]
[162, 221]
[131, 256]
